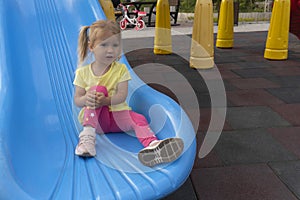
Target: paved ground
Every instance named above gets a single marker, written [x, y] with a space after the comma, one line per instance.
[258, 154]
[184, 28]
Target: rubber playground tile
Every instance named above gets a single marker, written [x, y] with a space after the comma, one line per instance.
[254, 117]
[253, 97]
[253, 83]
[292, 61]
[226, 66]
[181, 89]
[201, 86]
[228, 74]
[289, 173]
[226, 57]
[294, 45]
[253, 73]
[288, 137]
[211, 74]
[210, 160]
[191, 75]
[215, 85]
[228, 86]
[185, 192]
[184, 83]
[250, 146]
[285, 70]
[258, 38]
[290, 112]
[205, 120]
[205, 117]
[245, 64]
[230, 54]
[239, 183]
[286, 81]
[288, 95]
[165, 91]
[204, 100]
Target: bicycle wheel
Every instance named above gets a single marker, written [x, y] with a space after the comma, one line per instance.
[123, 24]
[140, 25]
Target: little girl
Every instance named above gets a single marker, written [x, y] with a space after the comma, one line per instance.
[101, 89]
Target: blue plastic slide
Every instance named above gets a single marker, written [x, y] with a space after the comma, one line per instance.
[38, 121]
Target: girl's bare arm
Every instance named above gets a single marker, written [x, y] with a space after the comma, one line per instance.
[120, 96]
[79, 97]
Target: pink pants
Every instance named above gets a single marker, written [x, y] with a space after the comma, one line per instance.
[118, 121]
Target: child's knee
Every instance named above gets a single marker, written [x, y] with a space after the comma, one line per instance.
[99, 88]
[139, 119]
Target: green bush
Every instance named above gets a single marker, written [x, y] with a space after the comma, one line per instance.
[187, 6]
[244, 5]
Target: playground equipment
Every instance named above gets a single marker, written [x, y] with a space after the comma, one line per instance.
[108, 9]
[278, 35]
[202, 47]
[138, 22]
[38, 123]
[225, 25]
[163, 38]
[285, 18]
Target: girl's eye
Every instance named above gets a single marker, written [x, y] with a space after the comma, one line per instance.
[116, 45]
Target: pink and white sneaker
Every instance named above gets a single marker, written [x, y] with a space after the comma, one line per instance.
[161, 151]
[86, 144]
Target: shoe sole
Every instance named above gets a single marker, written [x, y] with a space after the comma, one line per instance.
[167, 151]
[87, 154]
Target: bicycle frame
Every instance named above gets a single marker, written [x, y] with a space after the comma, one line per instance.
[136, 21]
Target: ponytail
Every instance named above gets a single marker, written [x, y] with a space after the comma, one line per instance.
[83, 42]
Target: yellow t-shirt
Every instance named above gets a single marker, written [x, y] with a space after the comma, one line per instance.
[117, 73]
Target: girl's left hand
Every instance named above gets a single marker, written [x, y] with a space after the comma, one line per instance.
[95, 99]
[100, 100]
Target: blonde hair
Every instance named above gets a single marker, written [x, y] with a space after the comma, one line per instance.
[98, 31]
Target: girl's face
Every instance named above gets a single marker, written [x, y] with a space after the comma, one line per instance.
[108, 50]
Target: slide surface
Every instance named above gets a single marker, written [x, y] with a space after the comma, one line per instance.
[38, 121]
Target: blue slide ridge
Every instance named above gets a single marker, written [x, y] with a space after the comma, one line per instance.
[38, 121]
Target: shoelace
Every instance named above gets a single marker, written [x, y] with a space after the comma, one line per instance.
[87, 139]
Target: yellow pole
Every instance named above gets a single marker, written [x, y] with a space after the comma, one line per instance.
[278, 35]
[225, 25]
[163, 38]
[202, 47]
[108, 9]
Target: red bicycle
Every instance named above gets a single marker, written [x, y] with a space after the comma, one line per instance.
[138, 21]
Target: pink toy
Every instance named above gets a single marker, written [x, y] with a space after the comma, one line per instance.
[137, 21]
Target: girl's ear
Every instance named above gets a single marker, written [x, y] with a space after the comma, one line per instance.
[90, 47]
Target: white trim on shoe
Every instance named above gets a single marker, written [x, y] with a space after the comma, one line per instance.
[161, 151]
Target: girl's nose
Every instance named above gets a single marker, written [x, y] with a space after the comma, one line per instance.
[110, 49]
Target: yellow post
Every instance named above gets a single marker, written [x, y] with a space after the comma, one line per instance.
[278, 35]
[163, 38]
[202, 47]
[225, 25]
[108, 9]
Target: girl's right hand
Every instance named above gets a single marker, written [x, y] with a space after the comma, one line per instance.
[90, 99]
[94, 99]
